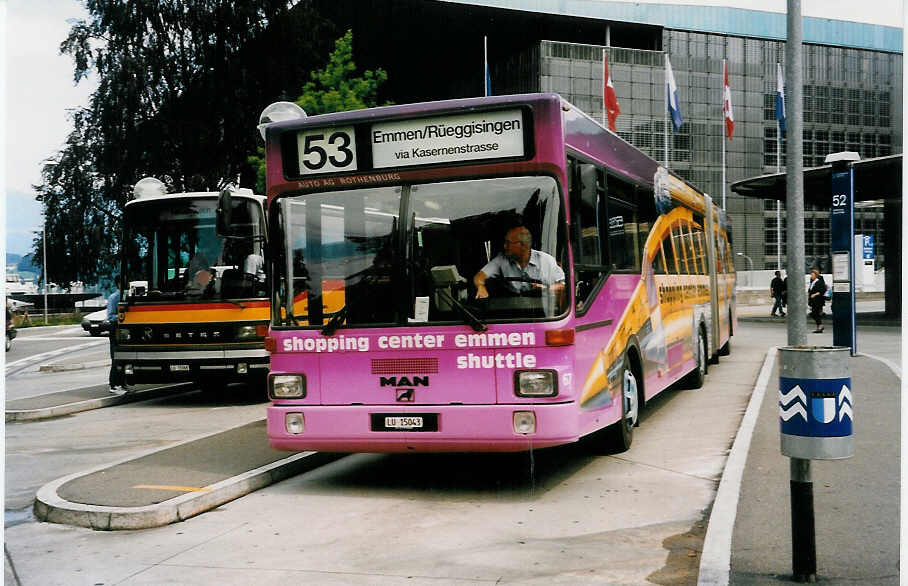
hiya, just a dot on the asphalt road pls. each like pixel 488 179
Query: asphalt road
pixel 558 516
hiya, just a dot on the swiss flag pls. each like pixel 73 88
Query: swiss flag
pixel 609 97
pixel 726 105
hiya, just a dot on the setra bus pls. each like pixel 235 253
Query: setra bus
pixel 487 274
pixel 194 304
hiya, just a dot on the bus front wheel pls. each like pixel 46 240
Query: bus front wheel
pixel 618 436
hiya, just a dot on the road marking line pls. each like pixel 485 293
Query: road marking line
pixel 26 362
pixel 174 488
pixel 715 559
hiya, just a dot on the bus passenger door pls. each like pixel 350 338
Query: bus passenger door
pixel 593 324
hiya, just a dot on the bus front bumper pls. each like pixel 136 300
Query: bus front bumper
pixel 447 428
pixel 177 366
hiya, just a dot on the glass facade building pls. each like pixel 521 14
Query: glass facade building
pixel 852 101
pixel 852 75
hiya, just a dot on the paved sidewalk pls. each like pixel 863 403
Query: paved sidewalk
pixel 856 501
pixel 867 313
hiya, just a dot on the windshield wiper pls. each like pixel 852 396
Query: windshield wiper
pixel 335 321
pixel 474 322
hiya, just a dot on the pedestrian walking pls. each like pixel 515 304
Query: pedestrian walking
pixel 777 291
pixel 816 298
pixel 115 379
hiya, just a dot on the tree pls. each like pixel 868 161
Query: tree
pixel 180 87
pixel 332 89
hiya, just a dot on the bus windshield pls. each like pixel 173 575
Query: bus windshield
pixel 409 253
pixel 173 250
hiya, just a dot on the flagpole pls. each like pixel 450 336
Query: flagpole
pixel 604 81
pixel 722 130
pixel 778 203
pixel 485 68
pixel 665 111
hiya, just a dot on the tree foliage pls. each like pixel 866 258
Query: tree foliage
pixel 334 88
pixel 180 86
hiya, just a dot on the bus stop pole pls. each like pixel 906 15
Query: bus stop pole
pixel 803 546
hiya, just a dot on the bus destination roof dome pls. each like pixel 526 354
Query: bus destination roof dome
pixel 278 112
pixel 149 187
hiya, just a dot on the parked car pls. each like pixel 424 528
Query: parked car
pixel 10 329
pixel 96 323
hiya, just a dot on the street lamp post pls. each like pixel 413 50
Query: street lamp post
pixel 750 274
pixel 44 266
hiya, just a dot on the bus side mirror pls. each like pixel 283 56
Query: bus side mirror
pixel 225 212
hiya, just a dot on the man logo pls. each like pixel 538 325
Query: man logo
pixel 404 395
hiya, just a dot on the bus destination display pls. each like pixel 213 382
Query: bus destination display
pixel 448 139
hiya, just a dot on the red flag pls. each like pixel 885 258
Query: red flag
pixel 609 97
pixel 726 105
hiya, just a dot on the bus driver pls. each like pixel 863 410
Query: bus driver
pixel 522 268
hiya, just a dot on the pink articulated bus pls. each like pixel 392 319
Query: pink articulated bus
pixel 488 274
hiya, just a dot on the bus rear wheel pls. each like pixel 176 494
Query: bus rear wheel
pixel 697 376
pixel 725 350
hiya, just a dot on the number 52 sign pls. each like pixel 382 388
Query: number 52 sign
pixel 327 150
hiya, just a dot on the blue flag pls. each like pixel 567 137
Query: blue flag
pixel 674 106
pixel 780 98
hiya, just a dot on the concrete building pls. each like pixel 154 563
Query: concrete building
pixel 433 49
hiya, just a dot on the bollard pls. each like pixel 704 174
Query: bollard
pixel 815 417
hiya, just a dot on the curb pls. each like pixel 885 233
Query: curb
pixel 88 404
pixel 74 366
pixel 715 557
pixel 52 508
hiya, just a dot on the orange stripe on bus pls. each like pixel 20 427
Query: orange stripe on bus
pixel 197 315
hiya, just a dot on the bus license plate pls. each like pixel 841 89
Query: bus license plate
pixel 409 422
pixel 403 422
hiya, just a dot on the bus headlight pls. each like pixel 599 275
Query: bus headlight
pixel 246 333
pixel 535 383
pixel 287 386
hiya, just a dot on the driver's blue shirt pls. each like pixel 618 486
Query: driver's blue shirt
pixel 541 267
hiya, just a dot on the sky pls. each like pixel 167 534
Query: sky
pixel 39 89
pixel 39 93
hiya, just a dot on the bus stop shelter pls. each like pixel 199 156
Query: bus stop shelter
pixel 875 180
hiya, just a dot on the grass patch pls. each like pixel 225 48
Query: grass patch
pixel 26 320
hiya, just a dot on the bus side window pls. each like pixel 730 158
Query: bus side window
pixel 681 250
pixel 586 204
pixel 659 261
pixel 695 268
pixel 623 239
pixel 646 216
pixel 670 256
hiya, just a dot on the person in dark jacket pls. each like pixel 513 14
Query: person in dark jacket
pixel 777 290
pixel 816 298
